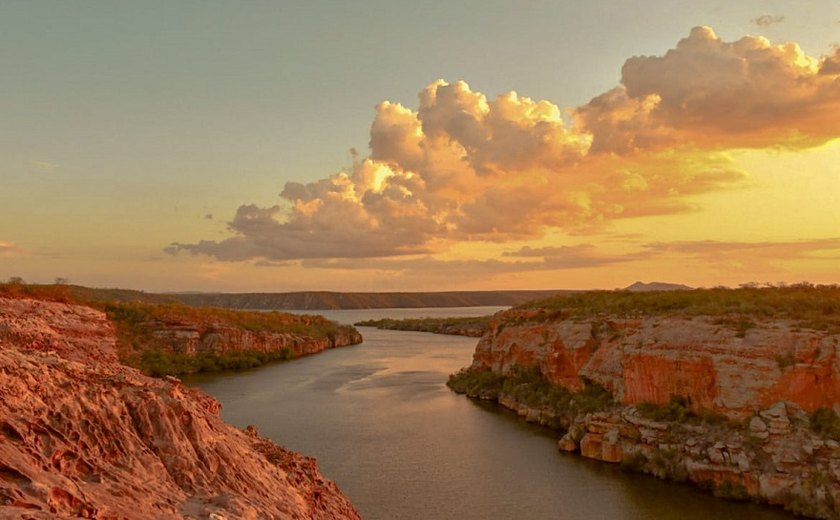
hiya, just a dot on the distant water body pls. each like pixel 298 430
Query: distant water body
pixel 387 430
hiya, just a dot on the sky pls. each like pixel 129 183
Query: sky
pixel 405 146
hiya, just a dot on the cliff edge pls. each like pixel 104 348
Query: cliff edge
pixel 84 436
pixel 737 391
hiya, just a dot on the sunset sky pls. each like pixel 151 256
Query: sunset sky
pixel 385 146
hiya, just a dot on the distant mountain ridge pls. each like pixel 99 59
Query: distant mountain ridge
pixel 326 300
pixel 657 286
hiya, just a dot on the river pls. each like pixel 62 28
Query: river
pixel 401 445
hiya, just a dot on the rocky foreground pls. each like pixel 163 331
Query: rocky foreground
pixel 82 435
pixel 746 408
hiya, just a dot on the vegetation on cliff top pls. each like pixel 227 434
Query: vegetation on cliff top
pixel 468 326
pixel 136 324
pixel 811 306
pixel 137 315
pixel 159 363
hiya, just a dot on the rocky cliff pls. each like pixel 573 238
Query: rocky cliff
pixel 171 339
pixel 714 366
pixel 84 436
pixel 192 337
pixel 744 407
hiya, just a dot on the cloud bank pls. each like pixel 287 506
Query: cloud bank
pixel 463 167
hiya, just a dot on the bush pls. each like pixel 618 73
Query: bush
pixel 159 363
pixel 677 410
pixel 484 384
pixel 636 463
pixel 526 385
pixel 732 490
pixel 826 423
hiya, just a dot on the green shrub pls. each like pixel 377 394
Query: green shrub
pixel 473 382
pixel 826 423
pixel 636 463
pixel 730 489
pixel 526 385
pixel 677 410
pixel 668 464
pixel 158 363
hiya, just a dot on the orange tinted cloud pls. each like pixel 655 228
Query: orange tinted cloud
pixel 749 257
pixel 463 167
pixel 714 94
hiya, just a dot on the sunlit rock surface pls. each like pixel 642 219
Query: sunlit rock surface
pixel 752 390
pixel 84 436
pixel 715 366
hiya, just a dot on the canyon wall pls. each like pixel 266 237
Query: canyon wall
pixel 84 436
pixel 726 405
pixel 717 366
pixel 194 338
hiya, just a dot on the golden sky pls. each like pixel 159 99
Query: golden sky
pixel 711 160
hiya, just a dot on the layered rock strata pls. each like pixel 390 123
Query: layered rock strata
pixel 84 436
pixel 190 338
pixel 756 387
pixel 714 366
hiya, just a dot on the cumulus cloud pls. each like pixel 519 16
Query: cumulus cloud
pixel 768 19
pixel 714 94
pixel 463 167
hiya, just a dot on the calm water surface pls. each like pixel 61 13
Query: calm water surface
pixel 402 446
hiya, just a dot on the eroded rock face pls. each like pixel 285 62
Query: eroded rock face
pixel 197 339
pixel 765 380
pixel 82 435
pixel 715 367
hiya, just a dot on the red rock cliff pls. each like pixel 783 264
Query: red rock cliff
pixel 767 376
pixel 82 435
pixel 650 359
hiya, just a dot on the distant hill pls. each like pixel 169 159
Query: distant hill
pixel 657 286
pixel 324 300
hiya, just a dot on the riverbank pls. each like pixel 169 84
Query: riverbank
pixel 162 337
pixel 682 387
pixel 473 327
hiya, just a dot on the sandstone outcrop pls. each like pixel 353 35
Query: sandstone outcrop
pixel 714 366
pixel 751 391
pixel 84 436
pixel 191 338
